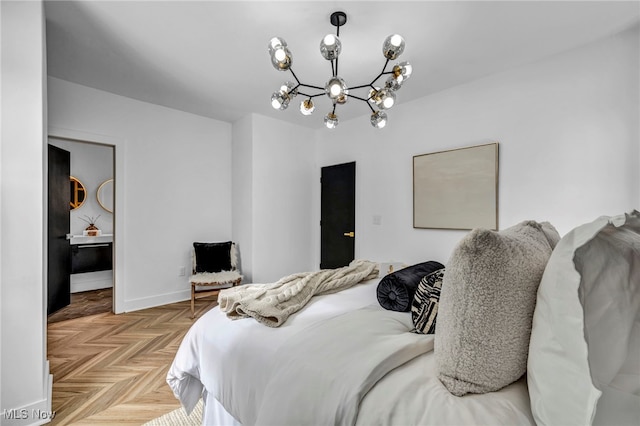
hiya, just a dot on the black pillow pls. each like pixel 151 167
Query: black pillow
pixel 424 309
pixel 395 291
pixel 213 257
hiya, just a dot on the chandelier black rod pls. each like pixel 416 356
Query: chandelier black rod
pixel 380 75
pixel 312 87
pixel 303 84
pixel 294 75
pixel 383 68
pixel 338 19
pixel 369 105
pixel 359 98
pixel 363 100
pixel 368 84
pixel 360 87
pixel 311 96
pixel 383 72
pixel 372 81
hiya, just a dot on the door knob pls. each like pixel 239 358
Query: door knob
pixel 350 234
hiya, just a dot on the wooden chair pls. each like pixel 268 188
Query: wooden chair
pixel 215 267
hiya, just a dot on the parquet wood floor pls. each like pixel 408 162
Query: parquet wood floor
pixel 111 369
pixel 83 304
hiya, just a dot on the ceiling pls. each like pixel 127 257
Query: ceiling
pixel 210 57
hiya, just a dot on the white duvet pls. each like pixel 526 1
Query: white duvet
pixel 235 362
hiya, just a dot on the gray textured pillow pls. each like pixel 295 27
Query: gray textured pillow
pixel 486 306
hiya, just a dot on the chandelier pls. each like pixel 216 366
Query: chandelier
pixel 378 99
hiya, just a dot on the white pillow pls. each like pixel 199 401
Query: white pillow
pixel 586 328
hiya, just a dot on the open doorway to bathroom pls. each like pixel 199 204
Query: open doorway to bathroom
pixel 91 230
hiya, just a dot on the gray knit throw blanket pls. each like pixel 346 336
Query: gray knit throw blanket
pixel 271 304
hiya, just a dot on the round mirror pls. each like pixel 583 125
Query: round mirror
pixel 78 193
pixel 105 195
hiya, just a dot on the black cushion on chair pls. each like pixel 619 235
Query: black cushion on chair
pixel 213 257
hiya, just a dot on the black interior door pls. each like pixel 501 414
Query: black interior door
pixel 337 215
pixel 58 248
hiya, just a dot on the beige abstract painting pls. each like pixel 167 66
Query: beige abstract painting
pixel 456 189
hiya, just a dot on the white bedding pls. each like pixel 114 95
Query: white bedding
pixel 233 361
pixel 360 347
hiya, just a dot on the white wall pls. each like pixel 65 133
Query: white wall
pixel 24 372
pixel 176 182
pixel 568 133
pixel 283 165
pixel 91 164
pixel 242 189
pixel 273 169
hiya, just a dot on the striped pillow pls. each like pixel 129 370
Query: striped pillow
pixel 424 308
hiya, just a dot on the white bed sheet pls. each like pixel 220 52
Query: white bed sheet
pixel 214 413
pixel 409 395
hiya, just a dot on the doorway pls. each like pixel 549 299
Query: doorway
pixel 90 237
pixel 337 215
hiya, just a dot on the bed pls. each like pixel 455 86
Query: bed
pixel 344 359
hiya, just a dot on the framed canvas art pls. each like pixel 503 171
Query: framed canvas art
pixel 456 189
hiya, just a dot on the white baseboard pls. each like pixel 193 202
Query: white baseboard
pixel 36 413
pixel 91 281
pixel 159 300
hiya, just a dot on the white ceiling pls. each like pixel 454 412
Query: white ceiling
pixel 210 57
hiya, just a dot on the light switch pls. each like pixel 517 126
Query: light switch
pixel 377 219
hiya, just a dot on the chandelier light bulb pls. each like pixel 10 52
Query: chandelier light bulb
pixel 385 98
pixel 288 88
pixel 336 88
pixel 281 58
pixel 389 100
pixel 401 73
pixel 307 107
pixel 404 69
pixel 275 43
pixel 393 46
pixel 329 40
pixel 280 100
pixel 394 83
pixel 373 95
pixel 379 119
pixel 330 47
pixel 331 120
